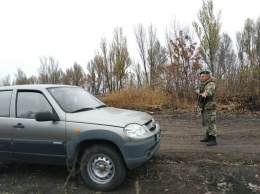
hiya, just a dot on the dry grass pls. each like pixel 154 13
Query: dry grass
pixel 136 99
pixel 150 100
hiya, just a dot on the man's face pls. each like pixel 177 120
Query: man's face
pixel 204 77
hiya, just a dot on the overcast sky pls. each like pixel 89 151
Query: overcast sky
pixel 70 31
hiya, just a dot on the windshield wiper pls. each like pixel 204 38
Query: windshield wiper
pixel 82 109
pixel 101 106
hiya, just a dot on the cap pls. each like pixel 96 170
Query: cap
pixel 205 71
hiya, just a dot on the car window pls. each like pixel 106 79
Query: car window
pixel 71 99
pixel 5 101
pixel 29 103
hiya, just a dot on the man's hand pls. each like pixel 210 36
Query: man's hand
pixel 203 95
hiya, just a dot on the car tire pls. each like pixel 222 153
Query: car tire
pixel 102 167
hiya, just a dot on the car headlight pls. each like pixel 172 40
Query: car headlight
pixel 134 130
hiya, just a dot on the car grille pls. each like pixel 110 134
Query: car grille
pixel 151 125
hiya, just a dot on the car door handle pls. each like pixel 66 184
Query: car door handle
pixel 18 126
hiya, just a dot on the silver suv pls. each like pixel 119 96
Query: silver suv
pixel 65 125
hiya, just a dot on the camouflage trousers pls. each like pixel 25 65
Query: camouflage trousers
pixel 209 122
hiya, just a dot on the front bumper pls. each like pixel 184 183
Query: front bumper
pixel 136 153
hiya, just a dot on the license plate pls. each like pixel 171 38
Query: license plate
pixel 157 137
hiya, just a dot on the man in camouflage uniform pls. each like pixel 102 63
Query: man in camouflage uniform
pixel 208 106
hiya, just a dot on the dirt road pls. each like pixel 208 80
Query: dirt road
pixel 182 164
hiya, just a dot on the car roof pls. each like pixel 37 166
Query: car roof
pixel 34 86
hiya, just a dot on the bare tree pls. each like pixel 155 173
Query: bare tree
pixel 75 76
pixel 156 56
pixel 138 72
pixel 248 46
pixel 91 77
pixel 185 62
pixel 55 73
pixel 95 78
pixel 208 31
pixel 119 58
pixel 33 80
pixel 141 40
pixel 257 42
pixel 104 59
pixel 226 58
pixel 101 70
pixel 43 71
pixel 79 75
pixel 151 52
pixel 68 77
pixel 152 41
pixel 108 69
pixel 49 71
pixel 20 78
pixel 6 81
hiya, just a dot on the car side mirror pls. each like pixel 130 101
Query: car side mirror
pixel 46 116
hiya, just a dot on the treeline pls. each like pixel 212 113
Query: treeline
pixel 171 68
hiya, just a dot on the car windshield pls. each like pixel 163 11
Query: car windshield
pixel 74 99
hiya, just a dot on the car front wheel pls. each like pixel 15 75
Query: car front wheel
pixel 102 167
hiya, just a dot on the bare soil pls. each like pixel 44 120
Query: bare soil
pixel 182 165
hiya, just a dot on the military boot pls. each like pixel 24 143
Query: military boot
pixel 206 138
pixel 212 141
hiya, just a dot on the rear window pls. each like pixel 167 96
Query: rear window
pixel 5 101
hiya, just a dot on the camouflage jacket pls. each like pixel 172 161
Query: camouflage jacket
pixel 209 87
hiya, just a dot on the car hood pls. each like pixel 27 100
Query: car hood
pixel 109 116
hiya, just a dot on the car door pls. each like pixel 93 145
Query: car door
pixel 41 142
pixel 6 130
